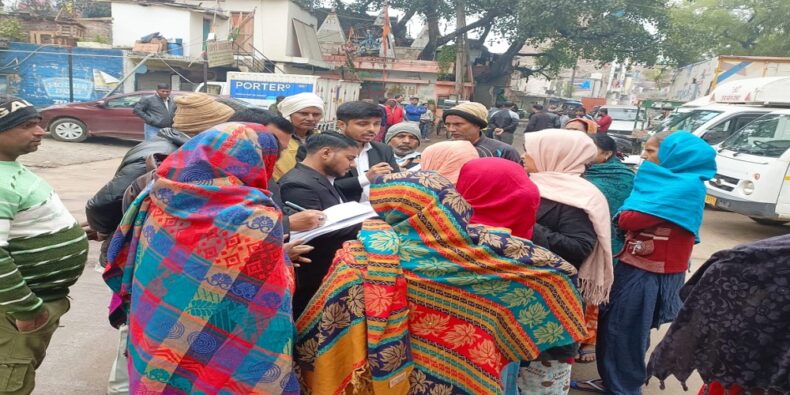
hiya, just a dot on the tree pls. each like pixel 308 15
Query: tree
pixel 564 30
pixel 704 28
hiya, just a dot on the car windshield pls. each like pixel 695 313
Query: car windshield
pixel 622 114
pixel 690 121
pixel 767 136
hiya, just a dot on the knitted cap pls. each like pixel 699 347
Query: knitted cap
pixel 403 127
pixel 475 113
pixel 298 102
pixel 15 111
pixel 197 112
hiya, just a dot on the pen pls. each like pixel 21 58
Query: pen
pixel 295 206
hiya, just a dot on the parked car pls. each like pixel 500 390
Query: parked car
pixel 111 117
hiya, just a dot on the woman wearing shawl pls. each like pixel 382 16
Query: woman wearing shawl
pixel 509 200
pixel 583 125
pixel 615 180
pixel 732 328
pixel 423 303
pixel 447 158
pixel 662 218
pixel 573 221
pixel 199 266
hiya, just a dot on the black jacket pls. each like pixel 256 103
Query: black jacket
pixel 542 120
pixel 308 188
pixel 568 232
pixel 502 119
pixel 153 111
pixel 565 230
pixel 349 184
pixel 104 209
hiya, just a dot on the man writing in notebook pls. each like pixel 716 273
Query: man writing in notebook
pixel 311 185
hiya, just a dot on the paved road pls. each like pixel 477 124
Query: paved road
pixel 82 351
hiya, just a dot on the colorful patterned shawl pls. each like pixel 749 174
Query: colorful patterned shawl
pixel 198 262
pixel 421 305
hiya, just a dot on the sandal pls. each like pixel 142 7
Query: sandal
pixel 582 353
pixel 595 386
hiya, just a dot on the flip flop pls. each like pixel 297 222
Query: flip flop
pixel 583 353
pixel 592 384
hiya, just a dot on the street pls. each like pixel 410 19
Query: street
pixel 81 354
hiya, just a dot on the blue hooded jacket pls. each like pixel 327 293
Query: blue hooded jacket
pixel 674 190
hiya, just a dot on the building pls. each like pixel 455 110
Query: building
pixel 186 27
pixel 48 30
pixel 351 43
pixel 190 24
pixel 278 32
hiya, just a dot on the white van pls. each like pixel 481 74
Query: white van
pixel 715 122
pixel 753 176
pixel 734 104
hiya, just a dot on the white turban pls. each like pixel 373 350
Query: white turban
pixel 299 102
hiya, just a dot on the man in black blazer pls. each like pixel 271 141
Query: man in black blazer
pixel 310 185
pixel 361 121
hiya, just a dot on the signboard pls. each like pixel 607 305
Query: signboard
pixel 219 53
pixel 266 91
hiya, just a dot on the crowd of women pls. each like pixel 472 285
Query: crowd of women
pixel 479 275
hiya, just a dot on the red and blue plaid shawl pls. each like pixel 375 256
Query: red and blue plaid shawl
pixel 199 265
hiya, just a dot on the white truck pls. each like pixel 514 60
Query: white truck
pixel 702 78
pixel 753 171
pixel 732 105
pixel 262 89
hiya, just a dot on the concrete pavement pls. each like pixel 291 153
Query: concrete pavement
pixel 81 353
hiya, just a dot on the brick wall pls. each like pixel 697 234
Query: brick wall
pixel 97 29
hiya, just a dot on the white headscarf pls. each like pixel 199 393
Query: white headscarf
pixel 298 102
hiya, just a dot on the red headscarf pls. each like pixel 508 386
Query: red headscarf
pixel 501 194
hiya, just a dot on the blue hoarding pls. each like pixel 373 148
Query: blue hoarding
pixel 266 90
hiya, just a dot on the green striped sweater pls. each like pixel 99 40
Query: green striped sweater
pixel 42 248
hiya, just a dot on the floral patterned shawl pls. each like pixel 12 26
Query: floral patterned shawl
pixel 423 303
pixel 733 327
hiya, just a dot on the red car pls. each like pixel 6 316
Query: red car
pixel 112 117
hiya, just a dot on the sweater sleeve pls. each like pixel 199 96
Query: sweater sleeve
pixel 16 298
pixel 633 221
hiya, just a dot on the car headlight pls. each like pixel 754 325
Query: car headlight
pixel 748 187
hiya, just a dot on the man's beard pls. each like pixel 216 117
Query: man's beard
pixel 401 152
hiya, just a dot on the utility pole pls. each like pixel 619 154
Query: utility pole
pixel 460 50
pixel 573 79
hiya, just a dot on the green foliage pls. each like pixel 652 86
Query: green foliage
pixel 563 30
pixel 446 58
pixel 704 28
pixel 11 29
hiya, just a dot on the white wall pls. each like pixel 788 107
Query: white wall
pixel 132 21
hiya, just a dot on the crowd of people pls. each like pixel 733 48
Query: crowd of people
pixel 482 271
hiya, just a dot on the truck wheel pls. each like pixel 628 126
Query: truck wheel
pixel 769 222
pixel 69 130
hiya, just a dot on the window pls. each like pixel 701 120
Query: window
pixel 124 102
pixel 767 136
pixel 725 129
pixel 690 121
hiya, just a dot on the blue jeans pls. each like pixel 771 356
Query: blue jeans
pixel 425 129
pixel 150 131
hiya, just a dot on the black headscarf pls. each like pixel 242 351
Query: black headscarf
pixel 733 327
